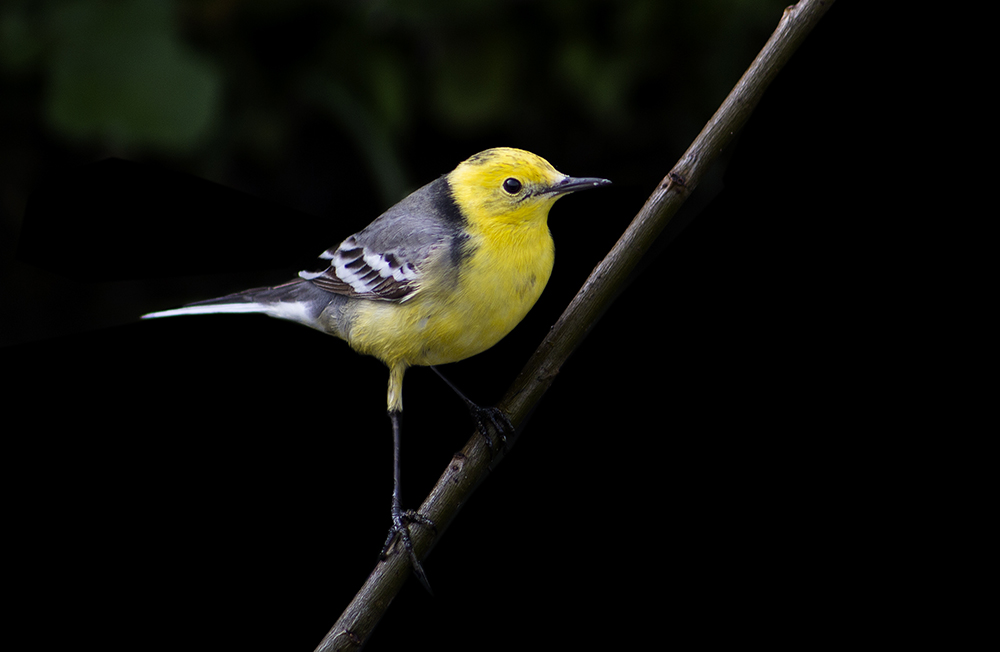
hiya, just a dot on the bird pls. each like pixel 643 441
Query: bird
pixel 440 276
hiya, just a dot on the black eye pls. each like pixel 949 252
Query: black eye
pixel 512 185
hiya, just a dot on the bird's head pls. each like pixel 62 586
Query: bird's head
pixel 511 186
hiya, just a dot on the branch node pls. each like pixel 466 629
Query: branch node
pixel 674 179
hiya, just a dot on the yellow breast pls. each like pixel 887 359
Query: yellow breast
pixel 498 288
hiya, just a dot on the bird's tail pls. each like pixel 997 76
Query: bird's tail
pixel 297 300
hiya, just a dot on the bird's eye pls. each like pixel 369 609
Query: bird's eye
pixel 512 185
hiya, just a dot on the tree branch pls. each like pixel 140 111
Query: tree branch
pixel 470 466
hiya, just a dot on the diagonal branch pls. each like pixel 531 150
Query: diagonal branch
pixel 470 466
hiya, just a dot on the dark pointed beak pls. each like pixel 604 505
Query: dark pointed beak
pixel 572 184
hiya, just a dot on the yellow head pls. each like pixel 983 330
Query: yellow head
pixel 511 186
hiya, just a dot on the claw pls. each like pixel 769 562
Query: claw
pixel 400 525
pixel 495 417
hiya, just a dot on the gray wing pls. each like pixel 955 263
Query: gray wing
pixel 385 261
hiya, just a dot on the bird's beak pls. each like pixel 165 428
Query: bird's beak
pixel 572 184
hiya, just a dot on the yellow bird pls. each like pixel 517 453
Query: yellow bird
pixel 443 275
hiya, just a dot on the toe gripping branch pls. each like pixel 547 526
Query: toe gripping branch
pixel 401 521
pixel 485 417
pixel 496 418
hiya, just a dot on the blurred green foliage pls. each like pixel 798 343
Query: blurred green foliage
pixel 119 73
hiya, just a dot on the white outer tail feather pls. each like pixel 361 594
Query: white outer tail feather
pixel 206 310
pixel 291 311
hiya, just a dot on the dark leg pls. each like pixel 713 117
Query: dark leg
pixel 401 519
pixel 484 415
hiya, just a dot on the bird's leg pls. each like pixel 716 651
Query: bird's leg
pixel 401 519
pixel 484 415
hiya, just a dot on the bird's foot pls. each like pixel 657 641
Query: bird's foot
pixel 491 416
pixel 484 416
pixel 401 526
